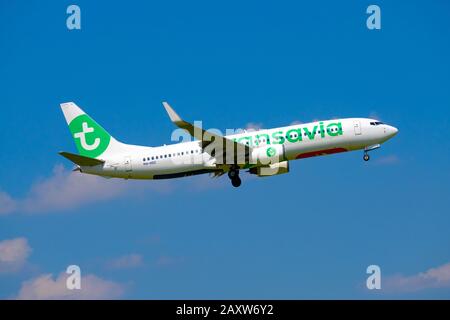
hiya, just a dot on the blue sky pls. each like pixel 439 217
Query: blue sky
pixel 308 234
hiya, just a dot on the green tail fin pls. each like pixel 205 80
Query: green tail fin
pixel 90 138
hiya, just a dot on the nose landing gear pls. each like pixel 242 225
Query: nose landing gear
pixel 366 156
pixel 233 174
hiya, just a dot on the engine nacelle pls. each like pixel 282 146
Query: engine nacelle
pixel 268 154
pixel 271 170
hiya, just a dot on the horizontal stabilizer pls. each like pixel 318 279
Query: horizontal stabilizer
pixel 81 160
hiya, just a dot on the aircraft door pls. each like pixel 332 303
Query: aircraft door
pixel 357 127
pixel 127 164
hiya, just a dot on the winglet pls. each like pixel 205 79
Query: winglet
pixel 206 137
pixel 174 117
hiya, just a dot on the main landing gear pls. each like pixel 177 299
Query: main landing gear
pixel 233 174
pixel 366 156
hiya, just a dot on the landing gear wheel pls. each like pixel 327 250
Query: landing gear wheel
pixel 366 157
pixel 236 181
pixel 232 174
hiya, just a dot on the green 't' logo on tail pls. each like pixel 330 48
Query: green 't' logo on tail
pixel 90 138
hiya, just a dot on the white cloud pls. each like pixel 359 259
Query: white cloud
pixel 206 182
pixel 44 287
pixel 65 190
pixel 438 277
pixel 13 254
pixel 126 262
pixel 7 204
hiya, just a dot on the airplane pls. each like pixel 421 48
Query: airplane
pixel 265 152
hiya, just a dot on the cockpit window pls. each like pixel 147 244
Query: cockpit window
pixel 376 123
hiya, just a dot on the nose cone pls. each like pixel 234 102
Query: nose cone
pixel 391 131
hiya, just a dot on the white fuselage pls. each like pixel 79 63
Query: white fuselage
pixel 296 142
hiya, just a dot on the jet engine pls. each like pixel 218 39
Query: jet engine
pixel 268 154
pixel 271 169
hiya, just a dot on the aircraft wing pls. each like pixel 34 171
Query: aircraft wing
pixel 236 151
